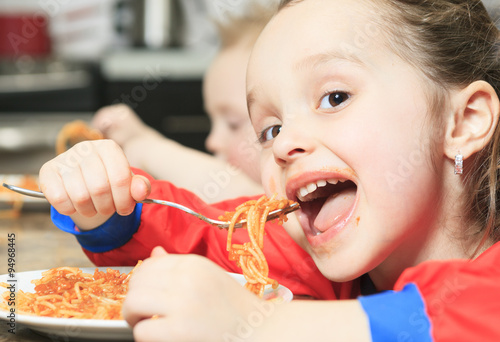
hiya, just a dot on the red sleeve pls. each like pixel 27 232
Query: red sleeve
pixel 462 297
pixel 181 233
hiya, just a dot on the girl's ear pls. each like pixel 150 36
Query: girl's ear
pixel 476 109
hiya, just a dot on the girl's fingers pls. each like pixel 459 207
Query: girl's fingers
pixel 63 183
pixel 150 287
pixel 155 329
pixel 140 304
pixel 97 183
pixel 158 251
pixel 90 178
pixel 76 188
pixel 172 298
pixel 51 184
pixel 140 188
pixel 119 175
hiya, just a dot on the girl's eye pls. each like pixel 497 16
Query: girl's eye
pixel 269 133
pixel 333 100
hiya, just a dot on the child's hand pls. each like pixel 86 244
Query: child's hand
pixel 119 123
pixel 189 298
pixel 92 181
pixel 141 144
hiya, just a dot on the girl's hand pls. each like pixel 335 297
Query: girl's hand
pixel 189 298
pixel 185 298
pixel 92 181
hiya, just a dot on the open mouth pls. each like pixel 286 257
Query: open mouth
pixel 326 203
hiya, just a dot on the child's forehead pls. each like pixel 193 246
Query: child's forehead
pixel 336 12
pixel 321 29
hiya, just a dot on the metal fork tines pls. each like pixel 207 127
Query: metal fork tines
pixel 221 224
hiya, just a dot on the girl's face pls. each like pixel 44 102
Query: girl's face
pixel 342 124
pixel 231 137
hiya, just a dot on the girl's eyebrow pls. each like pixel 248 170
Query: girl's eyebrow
pixel 250 101
pixel 252 95
pixel 312 62
pixel 319 59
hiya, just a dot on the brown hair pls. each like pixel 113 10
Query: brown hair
pixel 454 43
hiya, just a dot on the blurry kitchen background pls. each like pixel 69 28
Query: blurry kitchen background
pixel 61 60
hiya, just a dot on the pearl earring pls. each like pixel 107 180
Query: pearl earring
pixel 459 164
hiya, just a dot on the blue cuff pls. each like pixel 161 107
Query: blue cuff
pixel 397 316
pixel 113 233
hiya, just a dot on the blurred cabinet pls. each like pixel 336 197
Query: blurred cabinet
pixel 37 97
pixel 164 88
pixel 46 86
pixel 172 107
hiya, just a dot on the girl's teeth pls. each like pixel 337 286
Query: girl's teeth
pixel 303 192
pixel 312 187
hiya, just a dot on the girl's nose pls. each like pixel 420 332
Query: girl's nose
pixel 289 145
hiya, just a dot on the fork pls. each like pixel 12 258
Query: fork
pixel 221 224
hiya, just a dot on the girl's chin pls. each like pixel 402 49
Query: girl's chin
pixel 336 272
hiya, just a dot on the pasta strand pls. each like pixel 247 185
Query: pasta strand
pixel 249 256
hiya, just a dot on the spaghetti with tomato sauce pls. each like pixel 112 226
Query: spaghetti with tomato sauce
pixel 68 292
pixel 249 255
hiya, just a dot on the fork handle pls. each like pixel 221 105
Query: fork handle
pixel 24 191
pixel 221 224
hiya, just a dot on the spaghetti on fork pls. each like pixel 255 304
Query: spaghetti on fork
pixel 249 255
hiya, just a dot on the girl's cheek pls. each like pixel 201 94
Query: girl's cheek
pixel 271 186
pixel 270 180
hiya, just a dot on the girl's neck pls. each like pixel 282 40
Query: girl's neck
pixel 440 243
pixel 440 235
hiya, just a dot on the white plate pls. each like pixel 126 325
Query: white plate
pixel 93 329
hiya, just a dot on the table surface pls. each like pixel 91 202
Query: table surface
pixel 39 245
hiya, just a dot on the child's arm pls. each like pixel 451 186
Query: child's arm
pixel 92 181
pixel 195 300
pixel 152 152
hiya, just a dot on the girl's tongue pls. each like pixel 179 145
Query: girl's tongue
pixel 335 209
